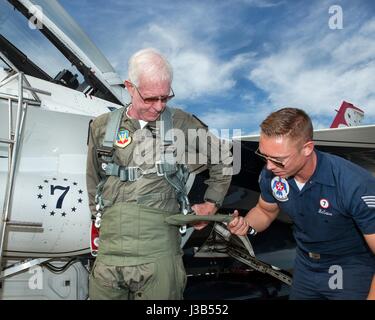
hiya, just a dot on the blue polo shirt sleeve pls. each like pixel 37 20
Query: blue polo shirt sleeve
pixel 265 178
pixel 362 205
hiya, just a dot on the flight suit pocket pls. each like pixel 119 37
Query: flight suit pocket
pixel 104 275
pixel 146 286
pixel 111 191
pixel 110 231
pixel 181 277
pixel 165 201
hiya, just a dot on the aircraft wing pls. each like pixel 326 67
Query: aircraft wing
pixel 356 144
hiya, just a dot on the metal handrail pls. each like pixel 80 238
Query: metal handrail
pixel 30 102
pixel 13 141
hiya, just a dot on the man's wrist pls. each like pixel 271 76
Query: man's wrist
pixel 251 231
pixel 216 203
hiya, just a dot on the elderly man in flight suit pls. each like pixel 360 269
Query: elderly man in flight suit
pixel 139 254
pixel 331 202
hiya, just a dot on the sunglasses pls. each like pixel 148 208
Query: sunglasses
pixel 278 163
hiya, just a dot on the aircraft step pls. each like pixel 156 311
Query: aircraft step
pixel 18 267
pixel 24 224
pixel 7 141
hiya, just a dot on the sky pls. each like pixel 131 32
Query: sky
pixel 236 61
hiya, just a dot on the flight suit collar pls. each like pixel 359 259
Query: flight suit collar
pixel 129 123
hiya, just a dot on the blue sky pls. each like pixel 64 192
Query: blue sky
pixel 236 61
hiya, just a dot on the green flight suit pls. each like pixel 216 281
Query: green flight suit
pixel 139 254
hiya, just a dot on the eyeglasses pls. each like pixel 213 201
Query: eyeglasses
pixel 281 162
pixel 152 100
pixel 278 163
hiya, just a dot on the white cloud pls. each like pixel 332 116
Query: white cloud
pixel 317 70
pixel 262 3
pixel 227 118
pixel 198 73
pixel 300 62
pixel 199 69
pixel 249 98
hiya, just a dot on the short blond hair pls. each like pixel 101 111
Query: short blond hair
pixel 290 122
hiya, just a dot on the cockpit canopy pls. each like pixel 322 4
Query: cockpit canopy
pixel 73 60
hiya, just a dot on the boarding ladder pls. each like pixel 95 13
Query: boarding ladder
pixel 14 141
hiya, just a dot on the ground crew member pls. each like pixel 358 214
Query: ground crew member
pixel 139 254
pixel 331 202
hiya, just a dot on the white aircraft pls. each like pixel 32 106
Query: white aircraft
pixel 44 125
pixel 45 229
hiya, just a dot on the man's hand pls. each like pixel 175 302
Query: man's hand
pixel 205 208
pixel 371 295
pixel 238 225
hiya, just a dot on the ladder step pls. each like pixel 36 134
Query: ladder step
pixel 24 224
pixel 22 266
pixel 26 87
pixel 8 141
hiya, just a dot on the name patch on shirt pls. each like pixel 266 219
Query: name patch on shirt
pixel 326 213
pixel 324 204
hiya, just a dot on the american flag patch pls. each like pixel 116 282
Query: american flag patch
pixel 369 201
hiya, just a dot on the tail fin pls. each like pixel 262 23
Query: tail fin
pixel 347 116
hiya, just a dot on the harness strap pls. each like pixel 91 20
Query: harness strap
pixel 106 150
pixel 175 174
pixel 127 173
pixel 167 137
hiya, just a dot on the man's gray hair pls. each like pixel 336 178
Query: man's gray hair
pixel 150 63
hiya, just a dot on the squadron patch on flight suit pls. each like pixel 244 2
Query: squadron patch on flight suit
pixel 123 138
pixel 280 188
